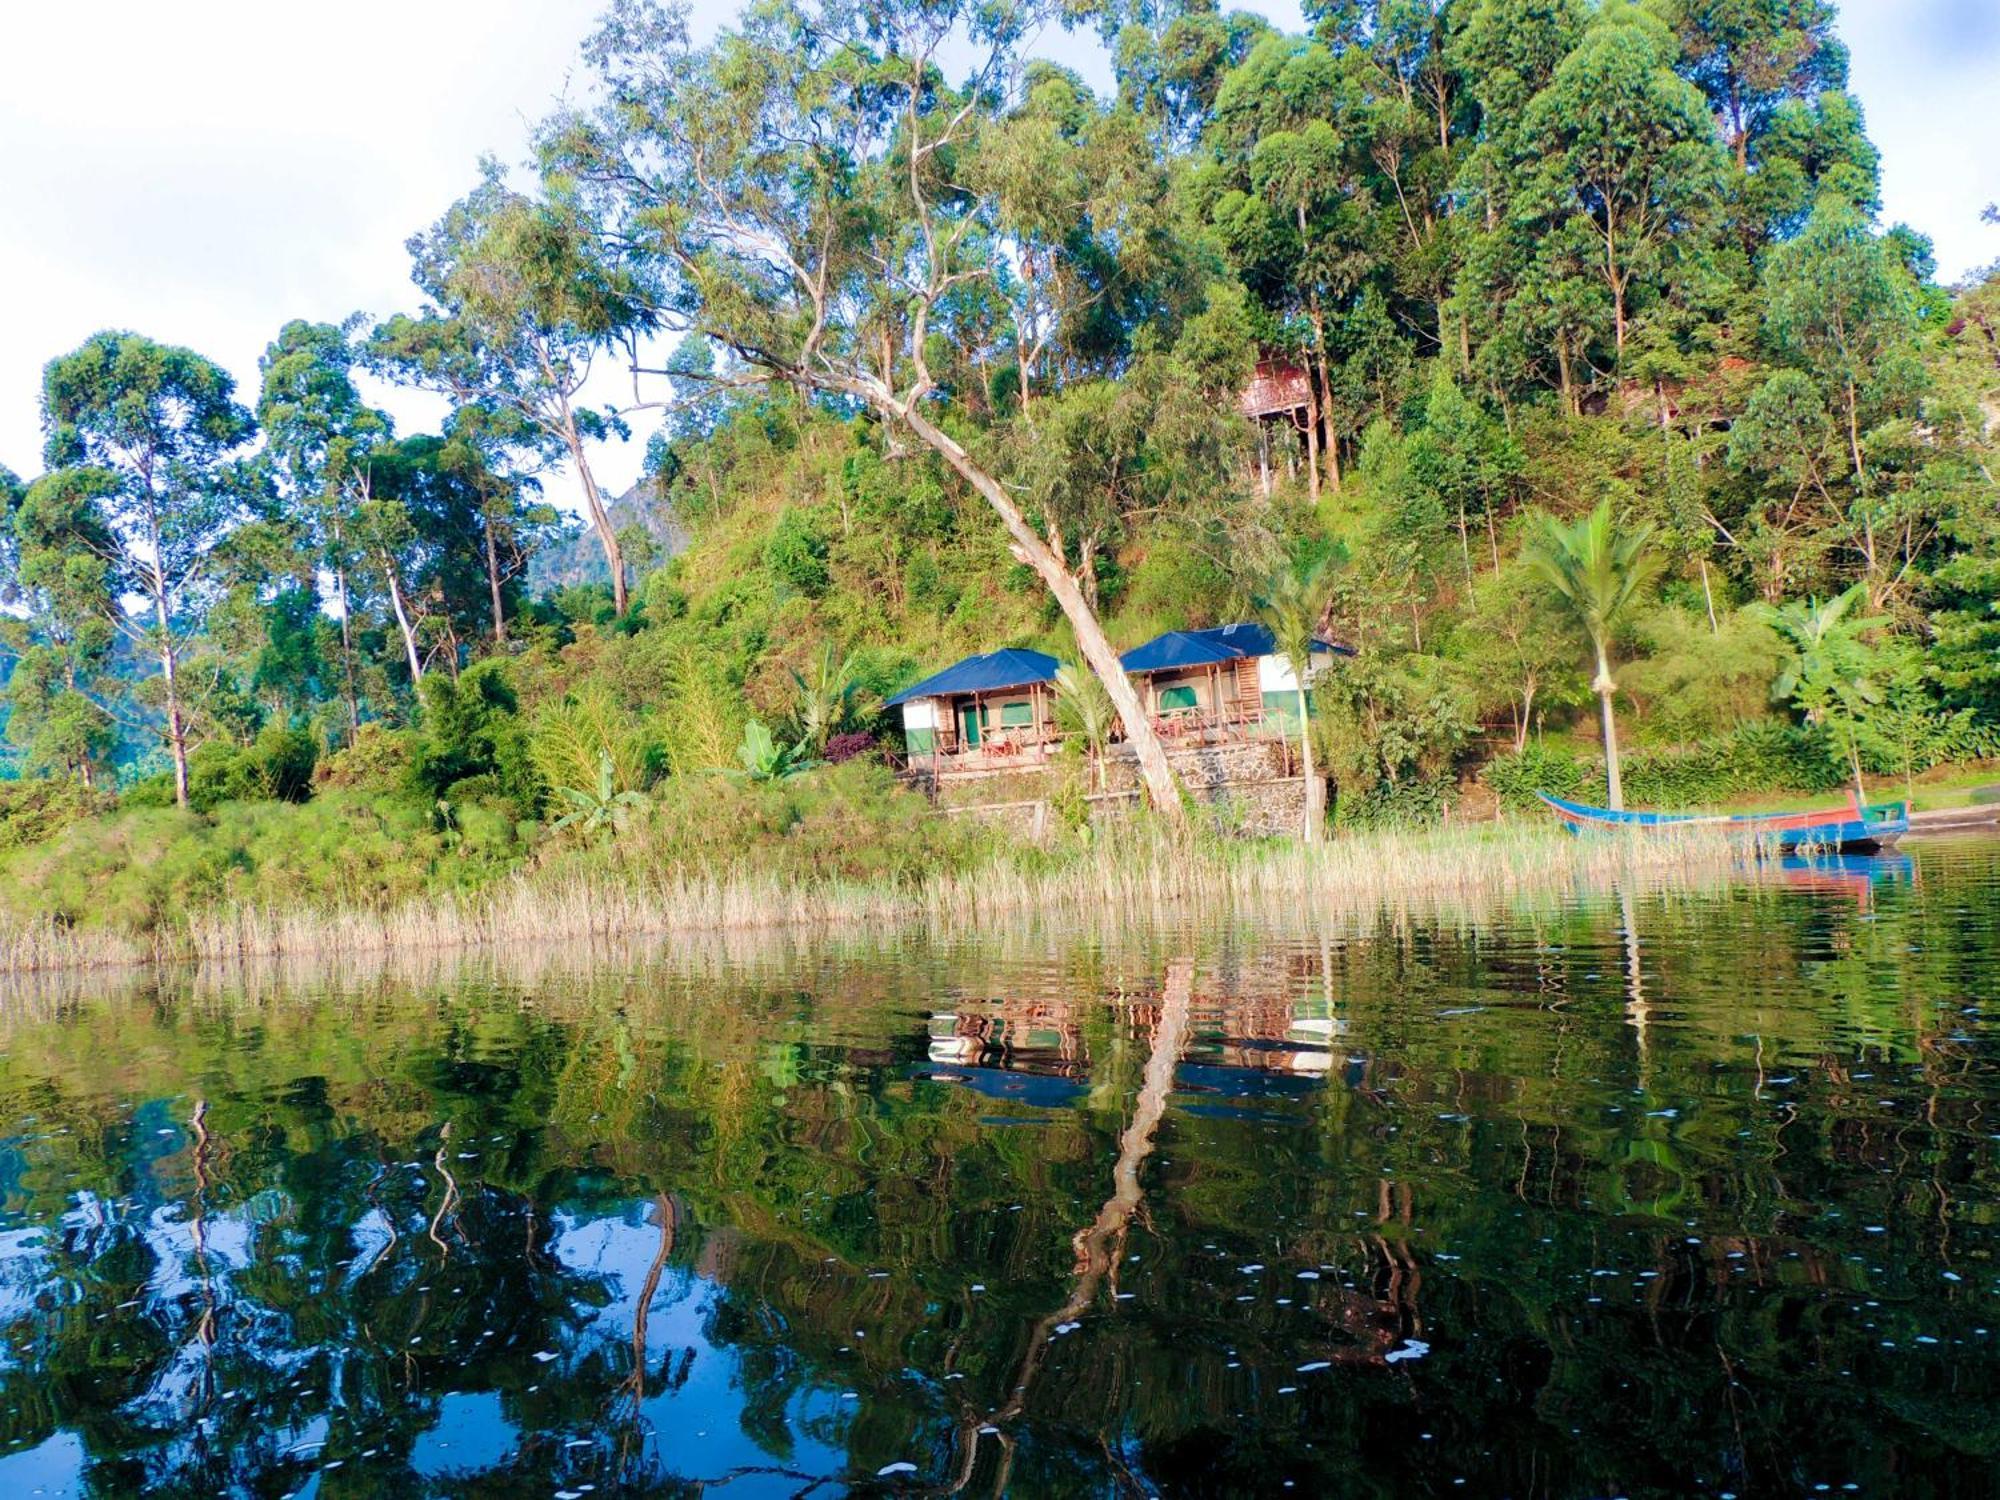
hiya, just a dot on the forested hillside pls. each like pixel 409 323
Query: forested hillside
pixel 936 350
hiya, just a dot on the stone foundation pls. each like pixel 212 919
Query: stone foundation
pixel 1246 788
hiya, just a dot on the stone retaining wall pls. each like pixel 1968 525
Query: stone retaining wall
pixel 1245 788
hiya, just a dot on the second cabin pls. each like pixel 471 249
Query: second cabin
pixel 1221 683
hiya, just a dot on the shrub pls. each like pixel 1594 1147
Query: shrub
pixel 1758 757
pixel 852 821
pixel 134 871
pixel 472 727
pixel 1515 779
pixel 796 553
pixel 41 807
pixel 377 759
pixel 142 871
pixel 1395 804
pixel 850 746
pixel 275 767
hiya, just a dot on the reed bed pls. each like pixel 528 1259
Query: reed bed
pixel 41 944
pixel 1134 873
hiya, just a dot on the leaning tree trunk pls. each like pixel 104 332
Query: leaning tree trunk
pixel 1604 687
pixel 176 721
pixel 1099 1244
pixel 1154 771
pixel 600 518
pixel 493 586
pixel 403 622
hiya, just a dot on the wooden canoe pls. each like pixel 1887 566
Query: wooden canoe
pixel 1852 829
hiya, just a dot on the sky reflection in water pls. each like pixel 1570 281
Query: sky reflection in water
pixel 1660 1193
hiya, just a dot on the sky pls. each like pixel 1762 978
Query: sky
pixel 203 171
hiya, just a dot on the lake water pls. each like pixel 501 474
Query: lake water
pixel 1653 1193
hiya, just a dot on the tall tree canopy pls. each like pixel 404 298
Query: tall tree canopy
pixel 164 422
pixel 812 194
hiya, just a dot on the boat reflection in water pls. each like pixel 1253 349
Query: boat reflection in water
pixel 1856 875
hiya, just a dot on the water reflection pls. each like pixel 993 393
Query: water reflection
pixel 1652 1193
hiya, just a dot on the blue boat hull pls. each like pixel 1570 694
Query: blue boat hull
pixel 1854 829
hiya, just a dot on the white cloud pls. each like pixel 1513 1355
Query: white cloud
pixel 1926 73
pixel 204 171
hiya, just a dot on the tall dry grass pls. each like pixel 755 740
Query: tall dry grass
pixel 1137 872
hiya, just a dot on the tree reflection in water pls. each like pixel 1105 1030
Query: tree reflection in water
pixel 1204 1211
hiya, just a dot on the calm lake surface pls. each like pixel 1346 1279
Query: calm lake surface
pixel 1643 1193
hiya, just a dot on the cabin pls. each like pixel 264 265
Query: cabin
pixel 1279 401
pixel 1226 682
pixel 989 712
pixel 996 712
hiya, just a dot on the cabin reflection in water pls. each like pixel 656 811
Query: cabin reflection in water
pixel 1033 1052
pixel 1023 1051
pixel 1253 1058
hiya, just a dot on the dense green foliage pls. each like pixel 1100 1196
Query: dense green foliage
pixel 952 363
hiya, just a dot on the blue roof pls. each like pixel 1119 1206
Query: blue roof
pixel 1201 648
pixel 990 673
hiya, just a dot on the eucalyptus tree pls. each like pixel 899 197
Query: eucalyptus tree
pixel 484 448
pixel 1841 309
pixel 423 535
pixel 165 423
pixel 522 303
pixel 62 581
pixel 1104 458
pixel 12 492
pixel 1626 149
pixel 1287 204
pixel 1751 56
pixel 1171 75
pixel 1080 198
pixel 1599 568
pixel 321 438
pixel 387 546
pixel 1412 127
pixel 812 195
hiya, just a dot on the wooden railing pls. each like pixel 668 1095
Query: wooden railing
pixel 1177 728
pixel 1206 726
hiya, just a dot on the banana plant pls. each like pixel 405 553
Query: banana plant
pixel 766 758
pixel 602 808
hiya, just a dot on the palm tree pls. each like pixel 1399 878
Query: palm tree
pixel 1291 604
pixel 1828 672
pixel 1085 710
pixel 1599 568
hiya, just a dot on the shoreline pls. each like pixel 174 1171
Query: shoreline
pixel 1123 875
